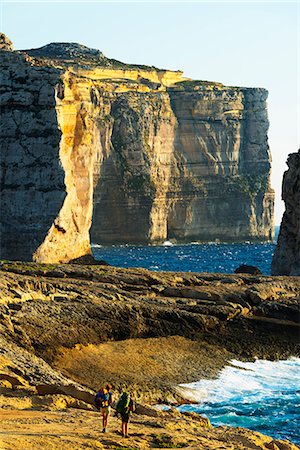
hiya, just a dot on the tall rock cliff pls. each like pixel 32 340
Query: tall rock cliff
pixel 286 259
pixel 127 153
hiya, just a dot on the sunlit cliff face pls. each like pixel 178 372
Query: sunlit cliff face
pixel 132 153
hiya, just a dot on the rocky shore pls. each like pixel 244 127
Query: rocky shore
pixel 69 315
pixel 67 329
pixel 53 426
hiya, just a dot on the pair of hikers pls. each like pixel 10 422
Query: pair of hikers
pixel 124 407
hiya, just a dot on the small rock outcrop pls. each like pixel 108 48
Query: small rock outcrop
pixel 5 43
pixel 126 153
pixel 286 259
pixel 244 268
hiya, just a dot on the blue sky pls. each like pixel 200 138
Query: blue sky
pixel 253 44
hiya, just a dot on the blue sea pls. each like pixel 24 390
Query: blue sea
pixel 194 257
pixel 261 395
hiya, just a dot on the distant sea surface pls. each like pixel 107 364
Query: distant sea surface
pixel 193 257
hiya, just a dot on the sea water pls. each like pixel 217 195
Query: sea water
pixel 193 257
pixel 263 396
pixel 211 257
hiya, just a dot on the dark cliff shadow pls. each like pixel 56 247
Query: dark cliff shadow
pixel 32 178
pixel 119 215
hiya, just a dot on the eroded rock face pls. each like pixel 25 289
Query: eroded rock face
pixel 221 180
pixel 46 307
pixel 142 154
pixel 286 259
pixel 5 43
pixel 32 178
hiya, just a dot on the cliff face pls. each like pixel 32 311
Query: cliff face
pixel 286 259
pixel 142 154
pixel 32 178
pixel 222 182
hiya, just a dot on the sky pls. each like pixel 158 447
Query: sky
pixel 238 43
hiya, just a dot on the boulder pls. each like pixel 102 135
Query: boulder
pixel 88 260
pixel 71 391
pixel 244 268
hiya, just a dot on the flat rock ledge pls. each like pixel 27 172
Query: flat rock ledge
pixel 72 428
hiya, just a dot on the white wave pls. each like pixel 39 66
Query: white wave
pixel 248 380
pixel 193 395
pixel 96 245
pixel 162 407
pixel 168 244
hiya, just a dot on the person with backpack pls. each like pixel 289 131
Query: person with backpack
pixel 125 407
pixel 103 401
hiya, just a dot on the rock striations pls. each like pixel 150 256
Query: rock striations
pixel 63 313
pixel 129 153
pixel 286 260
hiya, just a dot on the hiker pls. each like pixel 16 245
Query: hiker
pixel 125 406
pixel 103 401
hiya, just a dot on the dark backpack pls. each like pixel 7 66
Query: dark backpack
pixel 122 406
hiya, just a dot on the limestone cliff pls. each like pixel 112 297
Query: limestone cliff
pixel 141 154
pixel 286 259
pixel 32 178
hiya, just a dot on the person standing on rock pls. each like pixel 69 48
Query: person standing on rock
pixel 103 401
pixel 125 407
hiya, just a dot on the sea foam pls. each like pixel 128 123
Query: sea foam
pixel 260 395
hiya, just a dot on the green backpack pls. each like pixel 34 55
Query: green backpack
pixel 123 403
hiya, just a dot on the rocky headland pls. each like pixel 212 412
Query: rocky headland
pixel 66 329
pixel 286 259
pixel 125 153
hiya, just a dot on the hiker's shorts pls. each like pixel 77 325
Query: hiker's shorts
pixel 105 410
pixel 125 417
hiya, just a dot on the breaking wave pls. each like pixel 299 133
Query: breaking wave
pixel 261 395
